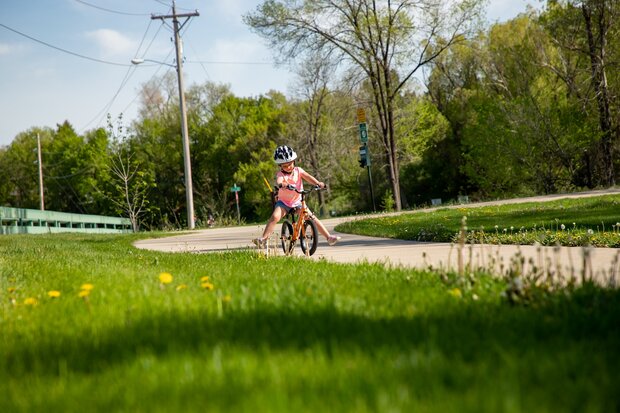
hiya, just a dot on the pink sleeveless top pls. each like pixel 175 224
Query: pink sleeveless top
pixel 288 197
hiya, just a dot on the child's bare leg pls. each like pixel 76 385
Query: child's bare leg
pixel 277 214
pixel 321 228
pixel 331 239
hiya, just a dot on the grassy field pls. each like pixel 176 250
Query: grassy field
pixel 570 222
pixel 88 323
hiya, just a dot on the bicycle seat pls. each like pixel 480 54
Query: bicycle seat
pixel 294 211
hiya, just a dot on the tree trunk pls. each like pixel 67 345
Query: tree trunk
pixel 394 165
pixel 383 97
pixel 599 83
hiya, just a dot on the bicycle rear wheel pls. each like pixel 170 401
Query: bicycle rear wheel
pixel 287 238
pixel 309 238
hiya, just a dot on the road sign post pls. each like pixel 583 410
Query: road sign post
pixel 361 115
pixel 364 159
pixel 236 190
pixel 363 133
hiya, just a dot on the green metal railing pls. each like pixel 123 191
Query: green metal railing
pixel 34 221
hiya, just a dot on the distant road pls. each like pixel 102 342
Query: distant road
pixel 602 263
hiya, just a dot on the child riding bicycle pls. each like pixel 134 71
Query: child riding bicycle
pixel 289 178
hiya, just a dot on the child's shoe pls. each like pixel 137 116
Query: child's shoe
pixel 333 239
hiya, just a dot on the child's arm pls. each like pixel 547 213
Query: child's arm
pixel 279 181
pixel 309 178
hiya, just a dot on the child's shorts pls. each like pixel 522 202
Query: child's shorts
pixel 288 208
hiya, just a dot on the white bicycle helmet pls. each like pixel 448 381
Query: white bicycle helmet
pixel 284 154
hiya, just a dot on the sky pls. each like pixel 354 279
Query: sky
pixel 71 59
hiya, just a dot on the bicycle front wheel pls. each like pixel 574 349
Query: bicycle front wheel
pixel 309 237
pixel 287 238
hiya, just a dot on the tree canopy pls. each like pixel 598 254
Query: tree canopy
pixel 522 107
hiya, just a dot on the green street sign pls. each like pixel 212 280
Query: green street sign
pixel 235 188
pixel 363 133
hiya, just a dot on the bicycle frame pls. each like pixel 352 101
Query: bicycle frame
pixel 303 228
pixel 302 214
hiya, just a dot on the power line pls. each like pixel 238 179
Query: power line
pixel 161 80
pixel 162 3
pixel 201 65
pixel 213 62
pixel 110 10
pixel 63 50
pixel 102 112
pixel 128 74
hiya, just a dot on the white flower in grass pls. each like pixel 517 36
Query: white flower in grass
pixel 562 227
pixel 590 232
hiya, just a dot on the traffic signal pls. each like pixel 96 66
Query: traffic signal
pixel 363 160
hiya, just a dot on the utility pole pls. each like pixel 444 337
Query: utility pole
pixel 189 196
pixel 42 201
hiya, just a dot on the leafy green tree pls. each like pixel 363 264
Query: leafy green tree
pixel 586 61
pixel 96 151
pixel 237 148
pixel 228 135
pixel 543 131
pixel 127 184
pixel 322 129
pixel 157 146
pixel 456 76
pixel 19 186
pixel 71 163
pixel 513 122
pixel 377 38
pixel 424 131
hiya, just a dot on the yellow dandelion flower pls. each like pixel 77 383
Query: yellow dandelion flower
pixel 455 292
pixel 53 294
pixel 204 279
pixel 84 293
pixel 87 287
pixel 12 290
pixel 165 278
pixel 227 298
pixel 31 301
pixel 207 286
pixel 181 287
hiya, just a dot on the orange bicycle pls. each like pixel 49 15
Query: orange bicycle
pixel 299 225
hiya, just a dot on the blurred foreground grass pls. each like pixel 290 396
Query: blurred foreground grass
pixel 285 335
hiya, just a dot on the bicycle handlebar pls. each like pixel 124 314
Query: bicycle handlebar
pixel 306 191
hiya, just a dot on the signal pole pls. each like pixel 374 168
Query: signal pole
pixel 189 196
pixel 364 151
pixel 42 201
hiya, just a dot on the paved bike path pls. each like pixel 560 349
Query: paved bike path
pixel 601 262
